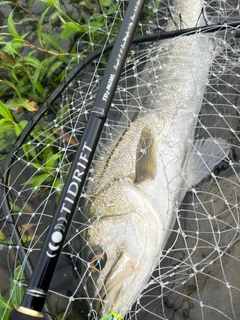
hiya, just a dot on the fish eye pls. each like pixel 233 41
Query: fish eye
pixel 97 261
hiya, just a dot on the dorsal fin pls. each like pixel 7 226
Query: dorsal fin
pixel 146 157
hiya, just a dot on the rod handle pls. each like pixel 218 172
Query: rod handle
pixel 22 313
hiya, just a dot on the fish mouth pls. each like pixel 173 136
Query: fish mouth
pixel 111 289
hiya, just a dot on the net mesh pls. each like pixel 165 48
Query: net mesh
pixel 197 273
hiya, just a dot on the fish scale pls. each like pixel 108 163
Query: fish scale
pixel 148 174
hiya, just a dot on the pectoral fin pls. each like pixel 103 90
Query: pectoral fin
pixel 146 157
pixel 205 155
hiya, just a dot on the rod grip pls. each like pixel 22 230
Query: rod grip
pixel 25 314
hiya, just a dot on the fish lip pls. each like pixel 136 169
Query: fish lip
pixel 103 302
pixel 103 293
pixel 112 286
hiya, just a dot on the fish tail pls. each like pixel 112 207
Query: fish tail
pixel 187 14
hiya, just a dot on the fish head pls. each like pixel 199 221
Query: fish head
pixel 124 239
pixel 123 245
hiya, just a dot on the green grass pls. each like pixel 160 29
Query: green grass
pixel 30 71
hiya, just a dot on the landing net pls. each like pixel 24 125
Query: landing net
pixel 197 276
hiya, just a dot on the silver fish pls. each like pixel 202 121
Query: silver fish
pixel 151 168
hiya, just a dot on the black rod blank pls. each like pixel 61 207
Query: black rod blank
pixel 36 293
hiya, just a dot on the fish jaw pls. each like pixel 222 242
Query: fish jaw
pixel 129 232
pixel 133 218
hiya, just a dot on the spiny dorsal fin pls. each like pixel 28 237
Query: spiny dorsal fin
pixel 146 157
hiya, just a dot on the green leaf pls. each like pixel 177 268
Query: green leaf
pixel 54 15
pixel 26 238
pixel 16 288
pixel 7 2
pixel 40 88
pixel 105 3
pixel 15 207
pixel 5 314
pixel 67 33
pixel 11 26
pixel 18 43
pixel 13 74
pixel 29 150
pixel 62 20
pixel 38 180
pixel 2 121
pixel 18 274
pixel 4 304
pixel 113 8
pixel 58 185
pixel 5 113
pixel 24 35
pixel 19 66
pixel 23 124
pixel 32 61
pixel 8 48
pixel 40 72
pixel 50 162
pixel 7 126
pixel 56 4
pixel 39 167
pixel 12 85
pixel 26 88
pixel 70 28
pixel 18 129
pixel 29 105
pixel 51 41
pixel 6 57
pixel 30 3
pixel 60 316
pixel 39 26
pixel 48 2
pixel 35 133
pixel 2 236
pixel 26 19
pixel 54 67
pixel 93 25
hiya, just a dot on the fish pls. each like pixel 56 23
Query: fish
pixel 134 205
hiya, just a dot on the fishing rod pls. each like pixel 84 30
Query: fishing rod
pixel 36 293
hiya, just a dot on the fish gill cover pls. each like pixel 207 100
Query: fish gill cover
pixel 156 234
